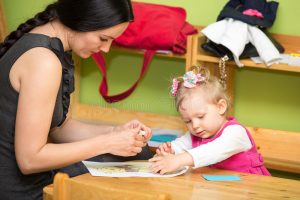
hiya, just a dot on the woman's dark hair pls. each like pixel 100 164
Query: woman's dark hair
pixel 78 15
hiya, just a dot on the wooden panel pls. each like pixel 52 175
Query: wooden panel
pixel 290 43
pixel 74 189
pixel 60 188
pixel 95 113
pixel 2 22
pixel 139 51
pixel 280 149
pixel 48 192
pixel 188 59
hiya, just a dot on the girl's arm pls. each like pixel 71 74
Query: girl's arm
pixel 182 144
pixel 233 140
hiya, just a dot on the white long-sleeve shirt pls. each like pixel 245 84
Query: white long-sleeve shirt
pixel 233 140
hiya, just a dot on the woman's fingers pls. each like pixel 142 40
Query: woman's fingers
pixel 136 150
pixel 147 133
pixel 138 143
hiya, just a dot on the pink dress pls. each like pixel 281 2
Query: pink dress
pixel 249 161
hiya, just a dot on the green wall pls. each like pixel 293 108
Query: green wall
pixel 263 98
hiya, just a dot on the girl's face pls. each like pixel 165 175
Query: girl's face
pixel 84 44
pixel 202 117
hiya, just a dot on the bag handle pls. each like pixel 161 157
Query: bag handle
pixel 103 88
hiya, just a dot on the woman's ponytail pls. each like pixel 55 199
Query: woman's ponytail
pixel 39 19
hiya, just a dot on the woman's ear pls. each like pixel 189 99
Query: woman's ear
pixel 222 106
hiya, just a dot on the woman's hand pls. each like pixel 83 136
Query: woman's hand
pixel 125 141
pixel 137 124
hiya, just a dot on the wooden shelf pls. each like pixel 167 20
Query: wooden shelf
pixel 290 43
pixel 140 51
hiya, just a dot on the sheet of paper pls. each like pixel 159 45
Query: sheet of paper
pixel 126 169
pixel 221 177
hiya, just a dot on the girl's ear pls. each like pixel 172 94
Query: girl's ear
pixel 222 106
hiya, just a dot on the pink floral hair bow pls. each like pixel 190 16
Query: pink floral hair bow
pixel 174 88
pixel 190 80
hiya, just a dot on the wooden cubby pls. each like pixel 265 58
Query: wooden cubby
pixel 279 148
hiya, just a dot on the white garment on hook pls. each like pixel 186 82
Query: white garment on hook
pixel 235 34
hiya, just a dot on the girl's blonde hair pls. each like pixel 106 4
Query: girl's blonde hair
pixel 210 85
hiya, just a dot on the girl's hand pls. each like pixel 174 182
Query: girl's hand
pixel 170 162
pixel 164 148
pixel 165 163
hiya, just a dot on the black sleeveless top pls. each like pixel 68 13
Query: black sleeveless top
pixel 13 184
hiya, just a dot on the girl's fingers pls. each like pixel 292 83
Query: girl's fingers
pixel 165 148
pixel 164 153
pixel 158 151
pixel 162 171
pixel 161 148
pixel 155 159
pixel 155 168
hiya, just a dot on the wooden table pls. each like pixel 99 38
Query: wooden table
pixel 193 186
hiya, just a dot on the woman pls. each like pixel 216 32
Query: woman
pixel 36 79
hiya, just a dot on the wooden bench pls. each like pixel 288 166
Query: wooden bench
pixel 280 149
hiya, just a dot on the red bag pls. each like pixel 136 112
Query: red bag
pixel 155 27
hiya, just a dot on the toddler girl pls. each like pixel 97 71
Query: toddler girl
pixel 213 138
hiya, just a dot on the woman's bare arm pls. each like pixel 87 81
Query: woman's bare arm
pixel 72 130
pixel 39 81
